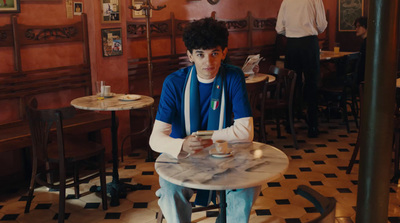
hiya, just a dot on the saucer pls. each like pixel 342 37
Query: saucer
pixel 109 96
pixel 130 97
pixel 213 152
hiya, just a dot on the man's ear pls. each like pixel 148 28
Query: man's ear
pixel 224 53
pixel 190 56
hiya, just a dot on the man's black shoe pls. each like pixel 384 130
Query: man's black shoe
pixel 313 132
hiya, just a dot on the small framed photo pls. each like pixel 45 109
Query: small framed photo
pixel 78 8
pixel 141 13
pixel 112 42
pixel 9 6
pixel 110 11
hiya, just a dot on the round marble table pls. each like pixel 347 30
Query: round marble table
pixel 260 77
pixel 113 104
pixel 252 164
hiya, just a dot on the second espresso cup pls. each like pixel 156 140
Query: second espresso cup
pixel 221 146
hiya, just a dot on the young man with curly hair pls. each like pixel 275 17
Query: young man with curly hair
pixel 203 96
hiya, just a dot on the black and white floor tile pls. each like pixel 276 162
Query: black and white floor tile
pixel 320 163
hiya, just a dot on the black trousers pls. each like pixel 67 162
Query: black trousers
pixel 302 56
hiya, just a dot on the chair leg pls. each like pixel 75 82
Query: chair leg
pixel 278 126
pixel 103 182
pixel 354 108
pixel 263 133
pixel 291 123
pixel 396 171
pixel 61 209
pixel 354 155
pixel 76 179
pixel 160 216
pixel 31 186
pixel 345 118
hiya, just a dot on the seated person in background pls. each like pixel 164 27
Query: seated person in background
pixel 191 100
pixel 361 31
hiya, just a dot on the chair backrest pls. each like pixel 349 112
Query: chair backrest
pixel 282 89
pixel 325 205
pixel 348 71
pixel 254 91
pixel 41 124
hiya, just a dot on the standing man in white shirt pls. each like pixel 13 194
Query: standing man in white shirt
pixel 301 21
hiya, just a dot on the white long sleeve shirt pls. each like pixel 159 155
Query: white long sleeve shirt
pixel 300 18
pixel 241 131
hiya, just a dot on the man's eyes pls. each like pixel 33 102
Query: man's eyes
pixel 202 55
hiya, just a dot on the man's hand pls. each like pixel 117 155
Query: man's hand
pixel 194 144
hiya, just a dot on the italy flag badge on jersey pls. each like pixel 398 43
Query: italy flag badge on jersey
pixel 214 104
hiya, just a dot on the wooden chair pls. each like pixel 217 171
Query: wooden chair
pixel 255 91
pixel 339 88
pixel 396 142
pixel 61 149
pixel 326 206
pixel 278 98
pixel 357 146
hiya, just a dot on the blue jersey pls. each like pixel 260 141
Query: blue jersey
pixel 170 109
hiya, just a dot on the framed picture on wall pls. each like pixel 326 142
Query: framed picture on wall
pixel 9 6
pixel 110 11
pixel 349 11
pixel 78 8
pixel 141 13
pixel 111 42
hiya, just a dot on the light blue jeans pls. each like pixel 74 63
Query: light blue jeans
pixel 176 208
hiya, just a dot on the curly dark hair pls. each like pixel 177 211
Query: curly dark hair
pixel 206 33
pixel 362 21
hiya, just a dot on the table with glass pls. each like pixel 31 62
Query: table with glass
pixel 248 165
pixel 118 102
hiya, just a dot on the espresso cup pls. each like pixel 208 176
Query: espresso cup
pixel 107 91
pixel 221 146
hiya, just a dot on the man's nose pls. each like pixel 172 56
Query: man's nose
pixel 210 59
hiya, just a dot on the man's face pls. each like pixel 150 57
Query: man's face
pixel 207 61
pixel 361 31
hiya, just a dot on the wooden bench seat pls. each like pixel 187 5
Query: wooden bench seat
pixel 16 135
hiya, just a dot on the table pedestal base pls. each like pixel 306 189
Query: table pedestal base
pixel 222 205
pixel 117 191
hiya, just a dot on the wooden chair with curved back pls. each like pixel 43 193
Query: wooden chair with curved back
pixel 357 146
pixel 53 148
pixel 326 206
pixel 339 89
pixel 255 91
pixel 278 98
pixel 396 141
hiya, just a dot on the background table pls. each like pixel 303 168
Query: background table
pixel 326 55
pixel 260 77
pixel 329 55
pixel 252 164
pixel 112 104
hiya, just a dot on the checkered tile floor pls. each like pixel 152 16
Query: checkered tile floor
pixel 319 163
